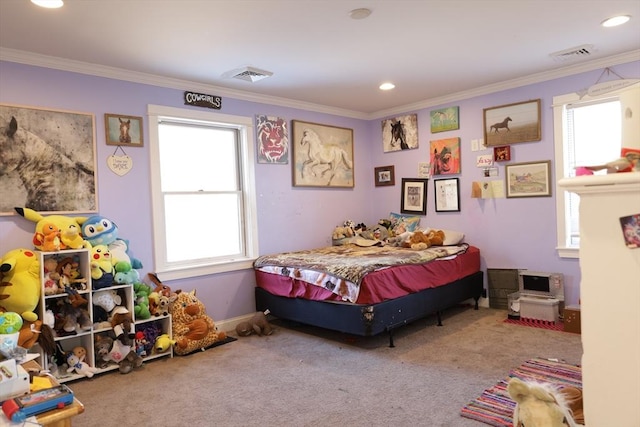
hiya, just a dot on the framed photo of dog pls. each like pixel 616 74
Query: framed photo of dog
pixel 322 155
pixel 123 130
pixel 512 123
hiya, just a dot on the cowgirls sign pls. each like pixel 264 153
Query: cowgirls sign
pixel 203 100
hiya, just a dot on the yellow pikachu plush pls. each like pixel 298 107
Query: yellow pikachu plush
pixel 20 283
pixel 69 229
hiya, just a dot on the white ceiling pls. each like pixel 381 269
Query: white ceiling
pixel 431 49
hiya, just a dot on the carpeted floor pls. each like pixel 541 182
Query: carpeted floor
pixel 495 407
pixel 542 324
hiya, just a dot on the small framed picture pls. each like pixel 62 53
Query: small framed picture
pixel 384 175
pixel 414 196
pixel 447 193
pixel 531 179
pixel 123 130
pixel 502 154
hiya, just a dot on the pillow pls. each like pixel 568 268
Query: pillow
pixel 409 222
pixel 451 237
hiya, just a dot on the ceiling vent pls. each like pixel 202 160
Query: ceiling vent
pixel 248 74
pixel 573 53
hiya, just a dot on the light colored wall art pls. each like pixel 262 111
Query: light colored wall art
pixel 47 160
pixel 322 155
pixel 531 179
pixel 400 133
pixel 445 119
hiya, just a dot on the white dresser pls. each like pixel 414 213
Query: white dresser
pixel 610 299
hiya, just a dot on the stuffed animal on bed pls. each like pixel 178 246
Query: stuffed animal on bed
pixel 192 328
pixel 545 405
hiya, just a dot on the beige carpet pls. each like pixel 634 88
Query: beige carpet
pixel 303 376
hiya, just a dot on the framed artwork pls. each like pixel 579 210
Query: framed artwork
pixel 444 119
pixel 512 123
pixel 531 179
pixel 400 133
pixel 272 139
pixel 48 160
pixel 502 154
pixel 384 176
pixel 322 155
pixel 447 194
pixel 123 130
pixel 414 196
pixel 445 156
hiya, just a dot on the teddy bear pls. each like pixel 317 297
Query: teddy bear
pixel 75 361
pixel 418 241
pixel 193 329
pixel 258 324
pixel 51 276
pixel 342 233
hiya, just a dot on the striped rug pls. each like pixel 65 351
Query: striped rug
pixel 495 407
pixel 535 323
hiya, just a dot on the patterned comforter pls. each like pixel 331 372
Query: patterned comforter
pixel 340 269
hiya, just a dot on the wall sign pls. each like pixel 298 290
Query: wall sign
pixel 203 100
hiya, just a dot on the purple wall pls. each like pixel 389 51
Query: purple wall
pixel 511 233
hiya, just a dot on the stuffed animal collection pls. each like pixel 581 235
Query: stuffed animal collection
pixel 54 232
pixel 192 328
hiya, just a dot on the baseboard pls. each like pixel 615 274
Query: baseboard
pixel 229 325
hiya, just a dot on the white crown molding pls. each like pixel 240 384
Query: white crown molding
pixel 28 58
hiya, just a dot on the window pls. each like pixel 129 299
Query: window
pixel 203 192
pixel 587 133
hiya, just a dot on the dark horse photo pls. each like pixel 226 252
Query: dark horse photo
pixel 47 160
pixel 502 125
pixel 400 133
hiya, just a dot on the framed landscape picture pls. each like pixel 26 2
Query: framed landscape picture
pixel 512 123
pixel 531 179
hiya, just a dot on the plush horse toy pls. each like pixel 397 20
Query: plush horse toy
pixel 545 405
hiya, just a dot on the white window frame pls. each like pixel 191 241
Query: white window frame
pixel 244 125
pixel 560 104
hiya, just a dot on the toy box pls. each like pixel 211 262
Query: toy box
pixel 539 308
pixel 15 380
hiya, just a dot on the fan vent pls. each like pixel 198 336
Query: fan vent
pixel 573 53
pixel 249 74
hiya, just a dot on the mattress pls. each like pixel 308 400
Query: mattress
pixel 382 284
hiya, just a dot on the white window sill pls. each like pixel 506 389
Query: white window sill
pixel 204 270
pixel 564 252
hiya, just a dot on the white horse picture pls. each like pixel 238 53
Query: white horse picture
pixel 323 158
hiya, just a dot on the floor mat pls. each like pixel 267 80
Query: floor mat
pixel 495 407
pixel 542 324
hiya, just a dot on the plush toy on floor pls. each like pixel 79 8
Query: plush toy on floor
pixel 544 405
pixel 258 325
pixel 192 328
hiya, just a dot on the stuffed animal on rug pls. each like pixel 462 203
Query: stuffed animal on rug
pixel 258 325
pixel 68 229
pixel 543 405
pixel 20 283
pixel 192 328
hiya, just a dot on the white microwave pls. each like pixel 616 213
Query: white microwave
pixel 541 284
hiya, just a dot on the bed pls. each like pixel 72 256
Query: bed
pixel 367 290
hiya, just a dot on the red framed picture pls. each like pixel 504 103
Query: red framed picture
pixel 502 153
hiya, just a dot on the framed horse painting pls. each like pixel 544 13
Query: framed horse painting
pixel 512 123
pixel 48 160
pixel 322 155
pixel 123 130
pixel 400 133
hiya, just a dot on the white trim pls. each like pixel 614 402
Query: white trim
pixel 29 58
pixel 245 126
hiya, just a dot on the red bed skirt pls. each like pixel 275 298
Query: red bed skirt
pixel 381 285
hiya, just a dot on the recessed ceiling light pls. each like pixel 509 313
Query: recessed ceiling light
pixel 360 13
pixel 615 21
pixel 49 4
pixel 387 86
